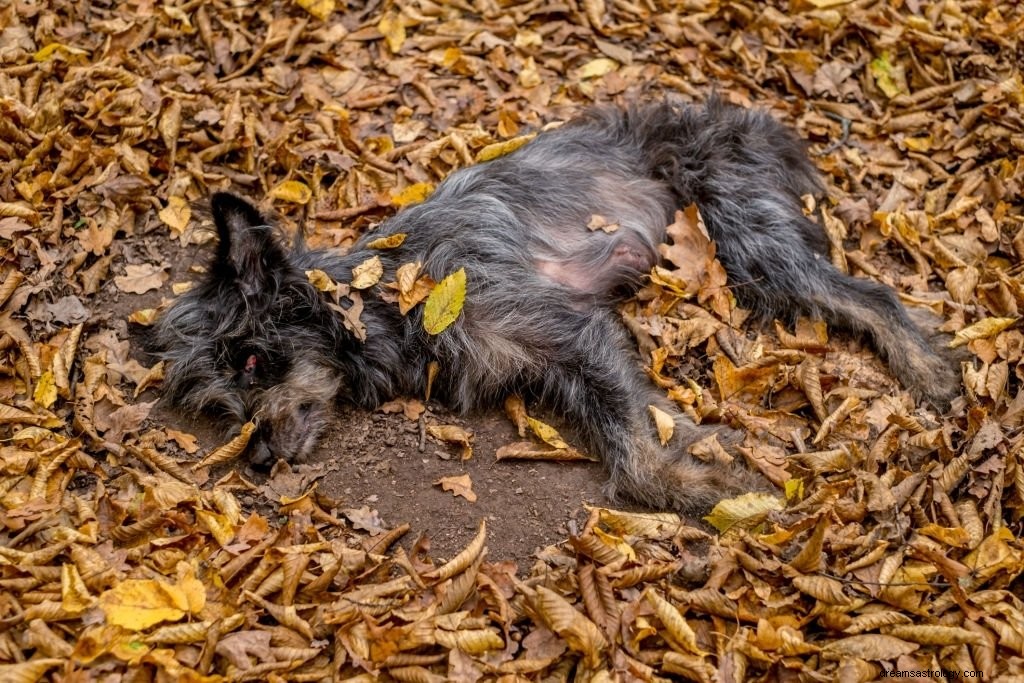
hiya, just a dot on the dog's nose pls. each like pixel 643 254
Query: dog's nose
pixel 261 455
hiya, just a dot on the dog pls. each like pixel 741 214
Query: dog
pixel 254 338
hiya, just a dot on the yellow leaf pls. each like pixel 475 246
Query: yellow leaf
pixel 143 316
pixel 50 51
pixel 500 149
pixel 179 288
pixel 528 76
pixel 321 9
pixel 176 215
pixel 664 422
pixel 444 305
pixel 546 433
pixel 218 526
pixel 891 79
pixel 597 67
pixel 137 604
pixel 389 242
pixel 75 597
pixel 321 280
pixel 367 273
pixel 746 509
pixel 46 390
pixel 416 192
pixel 294 191
pixel 393 28
pixel 983 329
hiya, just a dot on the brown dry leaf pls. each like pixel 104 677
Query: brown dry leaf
pixel 515 408
pixel 410 407
pixel 176 215
pixel 748 509
pixel 664 423
pixel 460 485
pixel 873 647
pixel 367 273
pixel 689 251
pixel 229 451
pixel 530 450
pixel 141 278
pixel 456 435
pixel 580 633
pixel 392 26
pixel 601 223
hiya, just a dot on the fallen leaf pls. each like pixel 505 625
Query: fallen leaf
pixel 460 485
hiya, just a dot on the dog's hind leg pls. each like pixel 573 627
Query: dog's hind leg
pixel 777 274
pixel 594 380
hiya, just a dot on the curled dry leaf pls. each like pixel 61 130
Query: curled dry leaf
pixel 229 451
pixel 454 434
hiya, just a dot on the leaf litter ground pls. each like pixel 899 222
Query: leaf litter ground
pixel 898 545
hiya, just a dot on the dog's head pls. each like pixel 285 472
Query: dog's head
pixel 253 340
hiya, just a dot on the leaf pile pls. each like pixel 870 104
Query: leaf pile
pixel 900 546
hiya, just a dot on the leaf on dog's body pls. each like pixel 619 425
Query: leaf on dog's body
pixel 351 316
pixel 412 287
pixel 444 305
pixel 500 149
pixel 389 242
pixel 599 222
pixel 367 273
pixel 461 485
pixel 664 422
pixel 321 280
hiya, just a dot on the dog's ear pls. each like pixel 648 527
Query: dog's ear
pixel 247 249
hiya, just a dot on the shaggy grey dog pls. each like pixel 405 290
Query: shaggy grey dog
pixel 255 338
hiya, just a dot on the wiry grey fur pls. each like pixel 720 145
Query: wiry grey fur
pixel 254 338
